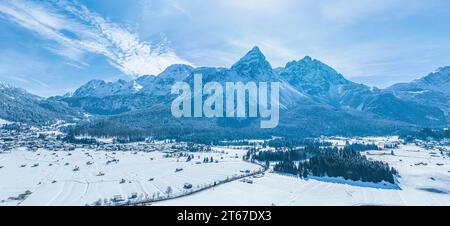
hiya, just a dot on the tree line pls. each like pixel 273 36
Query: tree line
pixel 302 153
pixel 427 134
pixel 362 147
pixel 294 142
pixel 327 161
pixel 350 165
pixel 291 154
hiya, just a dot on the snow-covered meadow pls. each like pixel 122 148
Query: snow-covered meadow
pixel 424 180
pixel 83 177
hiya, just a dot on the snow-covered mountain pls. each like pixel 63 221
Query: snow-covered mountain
pixel 145 84
pixel 314 99
pixel 160 85
pixel 433 89
pixel 321 82
pixel 313 76
pixel 102 98
pixel 254 65
pixel 438 81
pixel 98 88
pixel 17 105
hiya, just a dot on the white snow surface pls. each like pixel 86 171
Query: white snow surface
pixel 418 185
pixel 424 179
pixel 85 187
pixel 3 122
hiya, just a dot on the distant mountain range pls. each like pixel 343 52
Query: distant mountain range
pixel 17 105
pixel 433 90
pixel 314 99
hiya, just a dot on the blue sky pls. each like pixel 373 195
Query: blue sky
pixel 53 47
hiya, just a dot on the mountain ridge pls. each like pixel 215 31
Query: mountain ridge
pixel 313 97
pixel 432 89
pixel 17 105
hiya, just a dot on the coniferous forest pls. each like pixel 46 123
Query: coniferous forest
pixel 347 163
pixel 427 134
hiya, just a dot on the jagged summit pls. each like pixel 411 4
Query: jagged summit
pixel 437 81
pixel 311 71
pixel 255 52
pixel 177 67
pixel 254 63
pixel 17 105
pixel 308 61
pixel 95 83
pixel 309 91
pixel 441 75
pixel 445 69
pixel 99 88
pixel 121 82
pixel 4 85
pixel 145 83
pixel 145 80
pixel 177 72
pixel 9 87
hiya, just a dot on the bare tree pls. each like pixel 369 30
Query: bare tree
pixel 169 191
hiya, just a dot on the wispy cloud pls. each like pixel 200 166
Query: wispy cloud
pixel 75 31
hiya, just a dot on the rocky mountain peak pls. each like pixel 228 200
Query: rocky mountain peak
pixel 253 63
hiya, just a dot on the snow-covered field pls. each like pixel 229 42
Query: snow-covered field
pixel 51 179
pixel 425 180
pixel 3 122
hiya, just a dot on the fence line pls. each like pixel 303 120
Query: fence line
pixel 193 191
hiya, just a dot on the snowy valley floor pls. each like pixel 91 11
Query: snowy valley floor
pixel 425 179
pixel 419 185
pixel 54 182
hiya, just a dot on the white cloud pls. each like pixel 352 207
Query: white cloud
pixel 74 31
